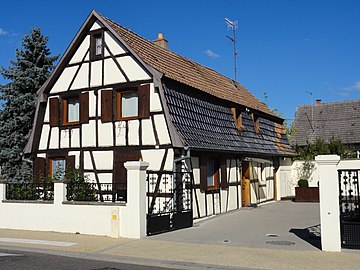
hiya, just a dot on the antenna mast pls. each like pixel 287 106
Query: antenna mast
pixel 233 26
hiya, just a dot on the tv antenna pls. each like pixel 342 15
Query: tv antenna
pixel 312 109
pixel 233 25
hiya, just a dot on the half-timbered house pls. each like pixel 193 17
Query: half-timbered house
pixel 115 96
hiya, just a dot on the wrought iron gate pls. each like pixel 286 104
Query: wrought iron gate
pixel 349 208
pixel 169 201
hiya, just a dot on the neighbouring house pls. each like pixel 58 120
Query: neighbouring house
pixel 339 120
pixel 115 97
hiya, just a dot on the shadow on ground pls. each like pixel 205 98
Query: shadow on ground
pixel 310 234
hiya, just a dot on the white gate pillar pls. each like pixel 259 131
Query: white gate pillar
pixel 135 225
pixel 329 202
pixel 2 191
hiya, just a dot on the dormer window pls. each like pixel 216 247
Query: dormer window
pixel 237 119
pixel 256 122
pixel 96 44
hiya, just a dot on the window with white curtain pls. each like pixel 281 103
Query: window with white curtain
pixel 73 110
pixel 98 45
pixel 129 104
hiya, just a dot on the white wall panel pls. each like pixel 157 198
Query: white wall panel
pixel 47 113
pixel 82 78
pixel 54 138
pixel 115 47
pixel 95 26
pixel 42 155
pixel 75 137
pixel 64 138
pixel 63 82
pixel 105 134
pixel 92 104
pixel 112 73
pixel 44 137
pixel 103 160
pixel 161 128
pixel 77 157
pixel 88 134
pixel 133 132
pixel 147 132
pixel 169 163
pixel 132 69
pixel 120 133
pixel 154 157
pixel 81 51
pixel 155 103
pixel 196 169
pixel 105 178
pixel 96 73
pixel 87 161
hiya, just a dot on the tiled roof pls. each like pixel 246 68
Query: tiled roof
pixel 188 72
pixel 206 125
pixel 340 120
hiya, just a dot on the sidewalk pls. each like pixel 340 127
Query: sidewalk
pixel 175 254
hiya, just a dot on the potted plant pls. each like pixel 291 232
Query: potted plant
pixel 304 193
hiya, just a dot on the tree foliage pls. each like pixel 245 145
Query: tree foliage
pixel 26 74
pixel 320 147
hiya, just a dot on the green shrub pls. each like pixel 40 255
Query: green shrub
pixel 79 188
pixel 303 183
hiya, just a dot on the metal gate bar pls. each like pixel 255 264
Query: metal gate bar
pixel 169 200
pixel 349 208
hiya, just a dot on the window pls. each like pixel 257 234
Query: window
pixel 57 168
pixel 256 122
pixel 127 105
pixel 237 115
pixel 71 111
pixel 211 173
pixel 96 44
pixel 65 110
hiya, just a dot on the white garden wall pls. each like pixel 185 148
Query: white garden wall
pixel 108 219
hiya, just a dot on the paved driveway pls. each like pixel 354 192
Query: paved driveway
pixel 283 224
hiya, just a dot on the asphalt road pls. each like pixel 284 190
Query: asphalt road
pixel 19 260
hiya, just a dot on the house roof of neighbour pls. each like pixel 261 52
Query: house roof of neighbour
pixel 188 72
pixel 340 120
pixel 206 125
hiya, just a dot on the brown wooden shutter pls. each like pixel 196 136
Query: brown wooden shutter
pixel 120 172
pixel 203 174
pixel 84 107
pixel 106 106
pixel 224 180
pixel 70 163
pixel 144 101
pixel 39 169
pixel 54 112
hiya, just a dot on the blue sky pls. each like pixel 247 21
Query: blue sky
pixel 285 48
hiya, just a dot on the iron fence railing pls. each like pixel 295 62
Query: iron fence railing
pixel 100 192
pixel 30 191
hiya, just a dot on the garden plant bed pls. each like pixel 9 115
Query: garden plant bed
pixel 306 194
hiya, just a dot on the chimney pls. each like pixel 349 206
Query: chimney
pixel 161 41
pixel 318 101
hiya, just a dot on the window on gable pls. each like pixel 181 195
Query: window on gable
pixel 127 104
pixel 71 111
pixel 96 44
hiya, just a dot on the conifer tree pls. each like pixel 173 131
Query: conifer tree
pixel 25 75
